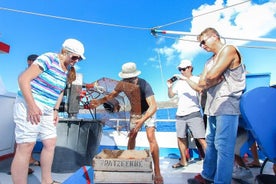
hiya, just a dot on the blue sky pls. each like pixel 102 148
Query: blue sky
pixel 115 32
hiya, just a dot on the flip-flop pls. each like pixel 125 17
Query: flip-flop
pixel 55 182
pixel 35 163
pixel 30 171
pixel 178 165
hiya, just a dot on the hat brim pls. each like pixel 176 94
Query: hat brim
pixel 82 57
pixel 129 75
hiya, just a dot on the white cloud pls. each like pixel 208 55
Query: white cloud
pixel 247 20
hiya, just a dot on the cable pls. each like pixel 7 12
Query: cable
pixel 182 20
pixel 73 19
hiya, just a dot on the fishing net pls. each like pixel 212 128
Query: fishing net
pixel 118 109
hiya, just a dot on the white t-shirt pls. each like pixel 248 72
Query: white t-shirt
pixel 188 101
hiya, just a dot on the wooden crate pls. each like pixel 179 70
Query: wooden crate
pixel 123 160
pixel 123 166
pixel 122 177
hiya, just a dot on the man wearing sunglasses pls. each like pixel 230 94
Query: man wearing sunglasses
pixel 224 79
pixel 188 115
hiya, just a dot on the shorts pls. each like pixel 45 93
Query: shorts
pixel 25 131
pixel 194 122
pixel 150 122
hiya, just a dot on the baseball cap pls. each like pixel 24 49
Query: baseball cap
pixel 74 46
pixel 184 63
pixel 32 57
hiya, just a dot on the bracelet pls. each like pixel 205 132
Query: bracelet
pixel 55 109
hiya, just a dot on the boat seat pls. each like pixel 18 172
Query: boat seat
pixel 258 110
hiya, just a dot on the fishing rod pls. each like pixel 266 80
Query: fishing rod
pixel 155 32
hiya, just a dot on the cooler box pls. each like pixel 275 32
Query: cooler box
pixel 123 166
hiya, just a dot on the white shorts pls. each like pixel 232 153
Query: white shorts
pixel 25 131
pixel 150 122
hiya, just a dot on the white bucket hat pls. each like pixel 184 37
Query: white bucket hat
pixel 129 70
pixel 184 63
pixel 74 46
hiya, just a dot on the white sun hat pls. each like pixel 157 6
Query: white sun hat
pixel 129 70
pixel 74 46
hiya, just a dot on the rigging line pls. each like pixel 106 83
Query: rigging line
pixel 182 20
pixel 162 78
pixel 245 46
pixel 73 19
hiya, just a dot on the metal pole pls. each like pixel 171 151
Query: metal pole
pixel 155 32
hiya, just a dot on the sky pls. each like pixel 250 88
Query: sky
pixel 116 32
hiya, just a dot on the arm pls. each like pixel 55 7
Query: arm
pixel 24 81
pixel 95 103
pixel 228 58
pixel 170 92
pixel 56 117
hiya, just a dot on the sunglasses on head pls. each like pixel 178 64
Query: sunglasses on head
pixel 182 69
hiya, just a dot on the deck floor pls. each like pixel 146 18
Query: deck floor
pixel 170 175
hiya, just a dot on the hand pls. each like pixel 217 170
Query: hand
pixel 56 118
pixel 180 77
pixel 93 104
pixel 34 114
pixel 139 124
pixel 169 83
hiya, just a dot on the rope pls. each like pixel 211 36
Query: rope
pixel 73 19
pixel 87 178
pixel 182 20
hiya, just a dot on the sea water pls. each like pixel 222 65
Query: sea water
pixel 161 114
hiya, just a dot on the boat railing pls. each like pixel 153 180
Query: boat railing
pixel 118 120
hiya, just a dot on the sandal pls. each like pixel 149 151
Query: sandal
pixel 35 163
pixel 55 182
pixel 158 180
pixel 178 165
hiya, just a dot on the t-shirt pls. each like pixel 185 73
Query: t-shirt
pixel 47 87
pixel 188 101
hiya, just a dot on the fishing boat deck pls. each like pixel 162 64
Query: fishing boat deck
pixel 170 175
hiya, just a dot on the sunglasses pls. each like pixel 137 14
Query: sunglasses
pixel 183 69
pixel 130 79
pixel 74 58
pixel 203 42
